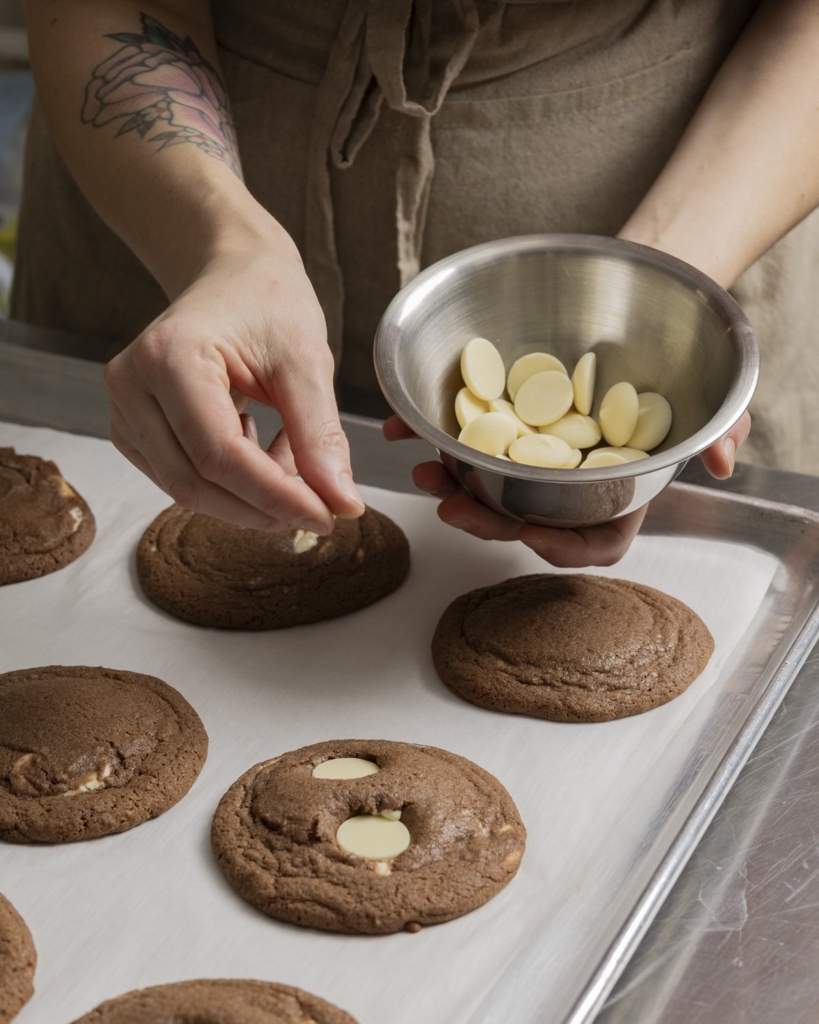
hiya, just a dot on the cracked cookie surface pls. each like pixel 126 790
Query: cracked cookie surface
pixel 18 960
pixel 216 1001
pixel 44 523
pixel 212 573
pixel 274 836
pixel 89 751
pixel 570 648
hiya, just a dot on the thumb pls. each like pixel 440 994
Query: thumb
pixel 719 458
pixel 308 409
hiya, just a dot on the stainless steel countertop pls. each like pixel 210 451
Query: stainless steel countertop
pixel 737 941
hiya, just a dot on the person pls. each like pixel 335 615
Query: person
pixel 234 190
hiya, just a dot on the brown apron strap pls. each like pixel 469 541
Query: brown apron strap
pixel 384 50
pixel 341 83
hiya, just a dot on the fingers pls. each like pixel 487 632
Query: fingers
pixel 202 419
pixel 464 513
pixel 434 478
pixel 395 429
pixel 279 449
pixel 249 428
pixel 319 446
pixel 720 457
pixel 178 477
pixel 592 545
pixel 596 545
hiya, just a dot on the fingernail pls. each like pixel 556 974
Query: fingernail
pixel 313 525
pixel 730 449
pixel 249 427
pixel 346 485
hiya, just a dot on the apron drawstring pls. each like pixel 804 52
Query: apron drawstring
pixel 384 52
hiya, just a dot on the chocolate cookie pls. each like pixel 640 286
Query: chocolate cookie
pixel 217 1002
pixel 436 836
pixel 44 523
pixel 18 959
pixel 570 648
pixel 89 751
pixel 211 573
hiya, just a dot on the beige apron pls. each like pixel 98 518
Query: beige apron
pixel 386 134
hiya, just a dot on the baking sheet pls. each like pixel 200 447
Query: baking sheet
pixel 603 802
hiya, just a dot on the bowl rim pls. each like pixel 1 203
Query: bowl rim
pixel 736 401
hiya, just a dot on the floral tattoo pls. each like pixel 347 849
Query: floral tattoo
pixel 158 80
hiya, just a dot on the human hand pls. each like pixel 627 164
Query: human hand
pixel 594 545
pixel 249 328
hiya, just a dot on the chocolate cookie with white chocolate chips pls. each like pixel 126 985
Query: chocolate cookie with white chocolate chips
pixel 217 1001
pixel 18 959
pixel 89 751
pixel 44 523
pixel 570 648
pixel 212 573
pixel 367 836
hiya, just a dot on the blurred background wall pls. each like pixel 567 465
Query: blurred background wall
pixel 16 91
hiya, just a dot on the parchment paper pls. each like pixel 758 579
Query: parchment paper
pixel 150 906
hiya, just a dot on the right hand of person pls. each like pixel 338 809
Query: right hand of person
pixel 248 328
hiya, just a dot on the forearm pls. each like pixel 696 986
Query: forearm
pixel 747 168
pixel 135 101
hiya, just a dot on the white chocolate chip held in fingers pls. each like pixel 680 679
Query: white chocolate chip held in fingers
pixel 420 838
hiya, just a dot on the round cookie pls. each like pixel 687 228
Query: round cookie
pixel 18 959
pixel 217 1002
pixel 571 648
pixel 212 573
pixel 89 751
pixel 44 523
pixel 274 836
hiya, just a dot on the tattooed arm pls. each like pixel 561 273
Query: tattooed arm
pixel 135 100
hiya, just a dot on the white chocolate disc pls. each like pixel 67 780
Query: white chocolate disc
pixel 373 837
pixel 304 540
pixel 618 413
pixel 542 450
pixel 490 433
pixel 544 398
pixel 467 407
pixel 629 454
pixel 527 366
pixel 583 382
pixel 507 409
pixel 575 429
pixel 599 459
pixel 345 768
pixel 653 421
pixel 482 369
pixel 574 461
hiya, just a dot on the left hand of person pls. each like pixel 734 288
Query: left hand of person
pixel 563 548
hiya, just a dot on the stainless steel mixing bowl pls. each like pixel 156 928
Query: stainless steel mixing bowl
pixel 652 320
